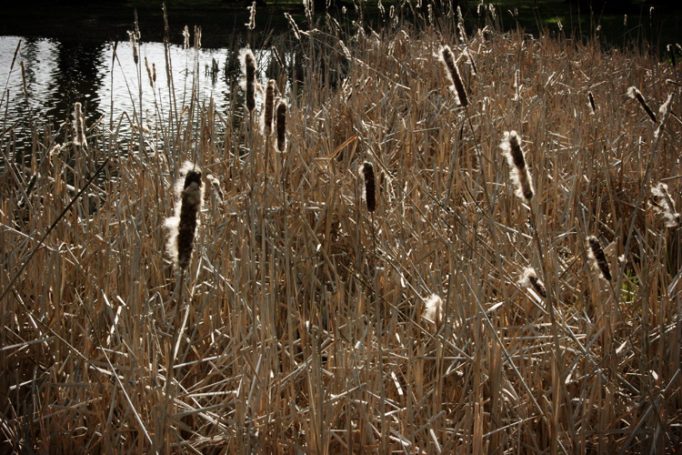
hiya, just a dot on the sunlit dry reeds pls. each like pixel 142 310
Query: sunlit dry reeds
pixel 285 341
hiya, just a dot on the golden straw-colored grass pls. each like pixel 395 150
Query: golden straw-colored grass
pixel 298 326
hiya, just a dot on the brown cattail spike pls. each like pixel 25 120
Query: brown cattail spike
pixel 134 37
pixel 191 202
pixel 269 107
pixel 520 176
pixel 529 279
pixel 593 106
pixel 664 205
pixel 79 126
pixel 248 62
pixel 367 172
pixel 182 226
pixel 185 37
pixel 457 87
pixel 281 119
pixel 636 94
pixel 598 258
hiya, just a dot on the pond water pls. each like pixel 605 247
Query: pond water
pixel 57 66
pixel 106 80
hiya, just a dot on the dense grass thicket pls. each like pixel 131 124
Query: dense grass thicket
pixel 305 323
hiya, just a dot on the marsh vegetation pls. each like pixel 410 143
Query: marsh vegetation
pixel 443 308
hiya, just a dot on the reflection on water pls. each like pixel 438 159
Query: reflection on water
pixel 105 79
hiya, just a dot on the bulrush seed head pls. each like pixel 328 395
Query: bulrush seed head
pixel 433 310
pixel 182 226
pixel 281 125
pixel 634 93
pixel 597 257
pixel 593 106
pixel 448 60
pixel 664 205
pixel 248 62
pixel 79 126
pixel 367 172
pixel 519 174
pixel 269 107
pixel 185 37
pixel 529 279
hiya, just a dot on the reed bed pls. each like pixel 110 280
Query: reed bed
pixel 454 317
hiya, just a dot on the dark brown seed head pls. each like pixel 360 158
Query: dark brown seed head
pixel 530 279
pixel 448 60
pixel 281 120
pixel 515 150
pixel 597 255
pixel 269 107
pixel 633 92
pixel 249 68
pixel 520 175
pixel 593 106
pixel 367 172
pixel 191 204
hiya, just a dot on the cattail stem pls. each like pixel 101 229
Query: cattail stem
pixel 593 106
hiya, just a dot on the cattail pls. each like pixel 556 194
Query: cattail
pixel 185 37
pixel 664 205
pixel 182 226
pixel 215 186
pixel 433 310
pixel 671 53
pixel 134 37
pixel 457 86
pixel 252 16
pixel 298 71
pixel 269 107
pixel 529 279
pixel 248 62
pixel 517 85
pixel 367 172
pixel 79 126
pixel 636 94
pixel 197 37
pixel 281 114
pixel 151 77
pixel 597 257
pixel 593 106
pixel 520 176
pixel 664 111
